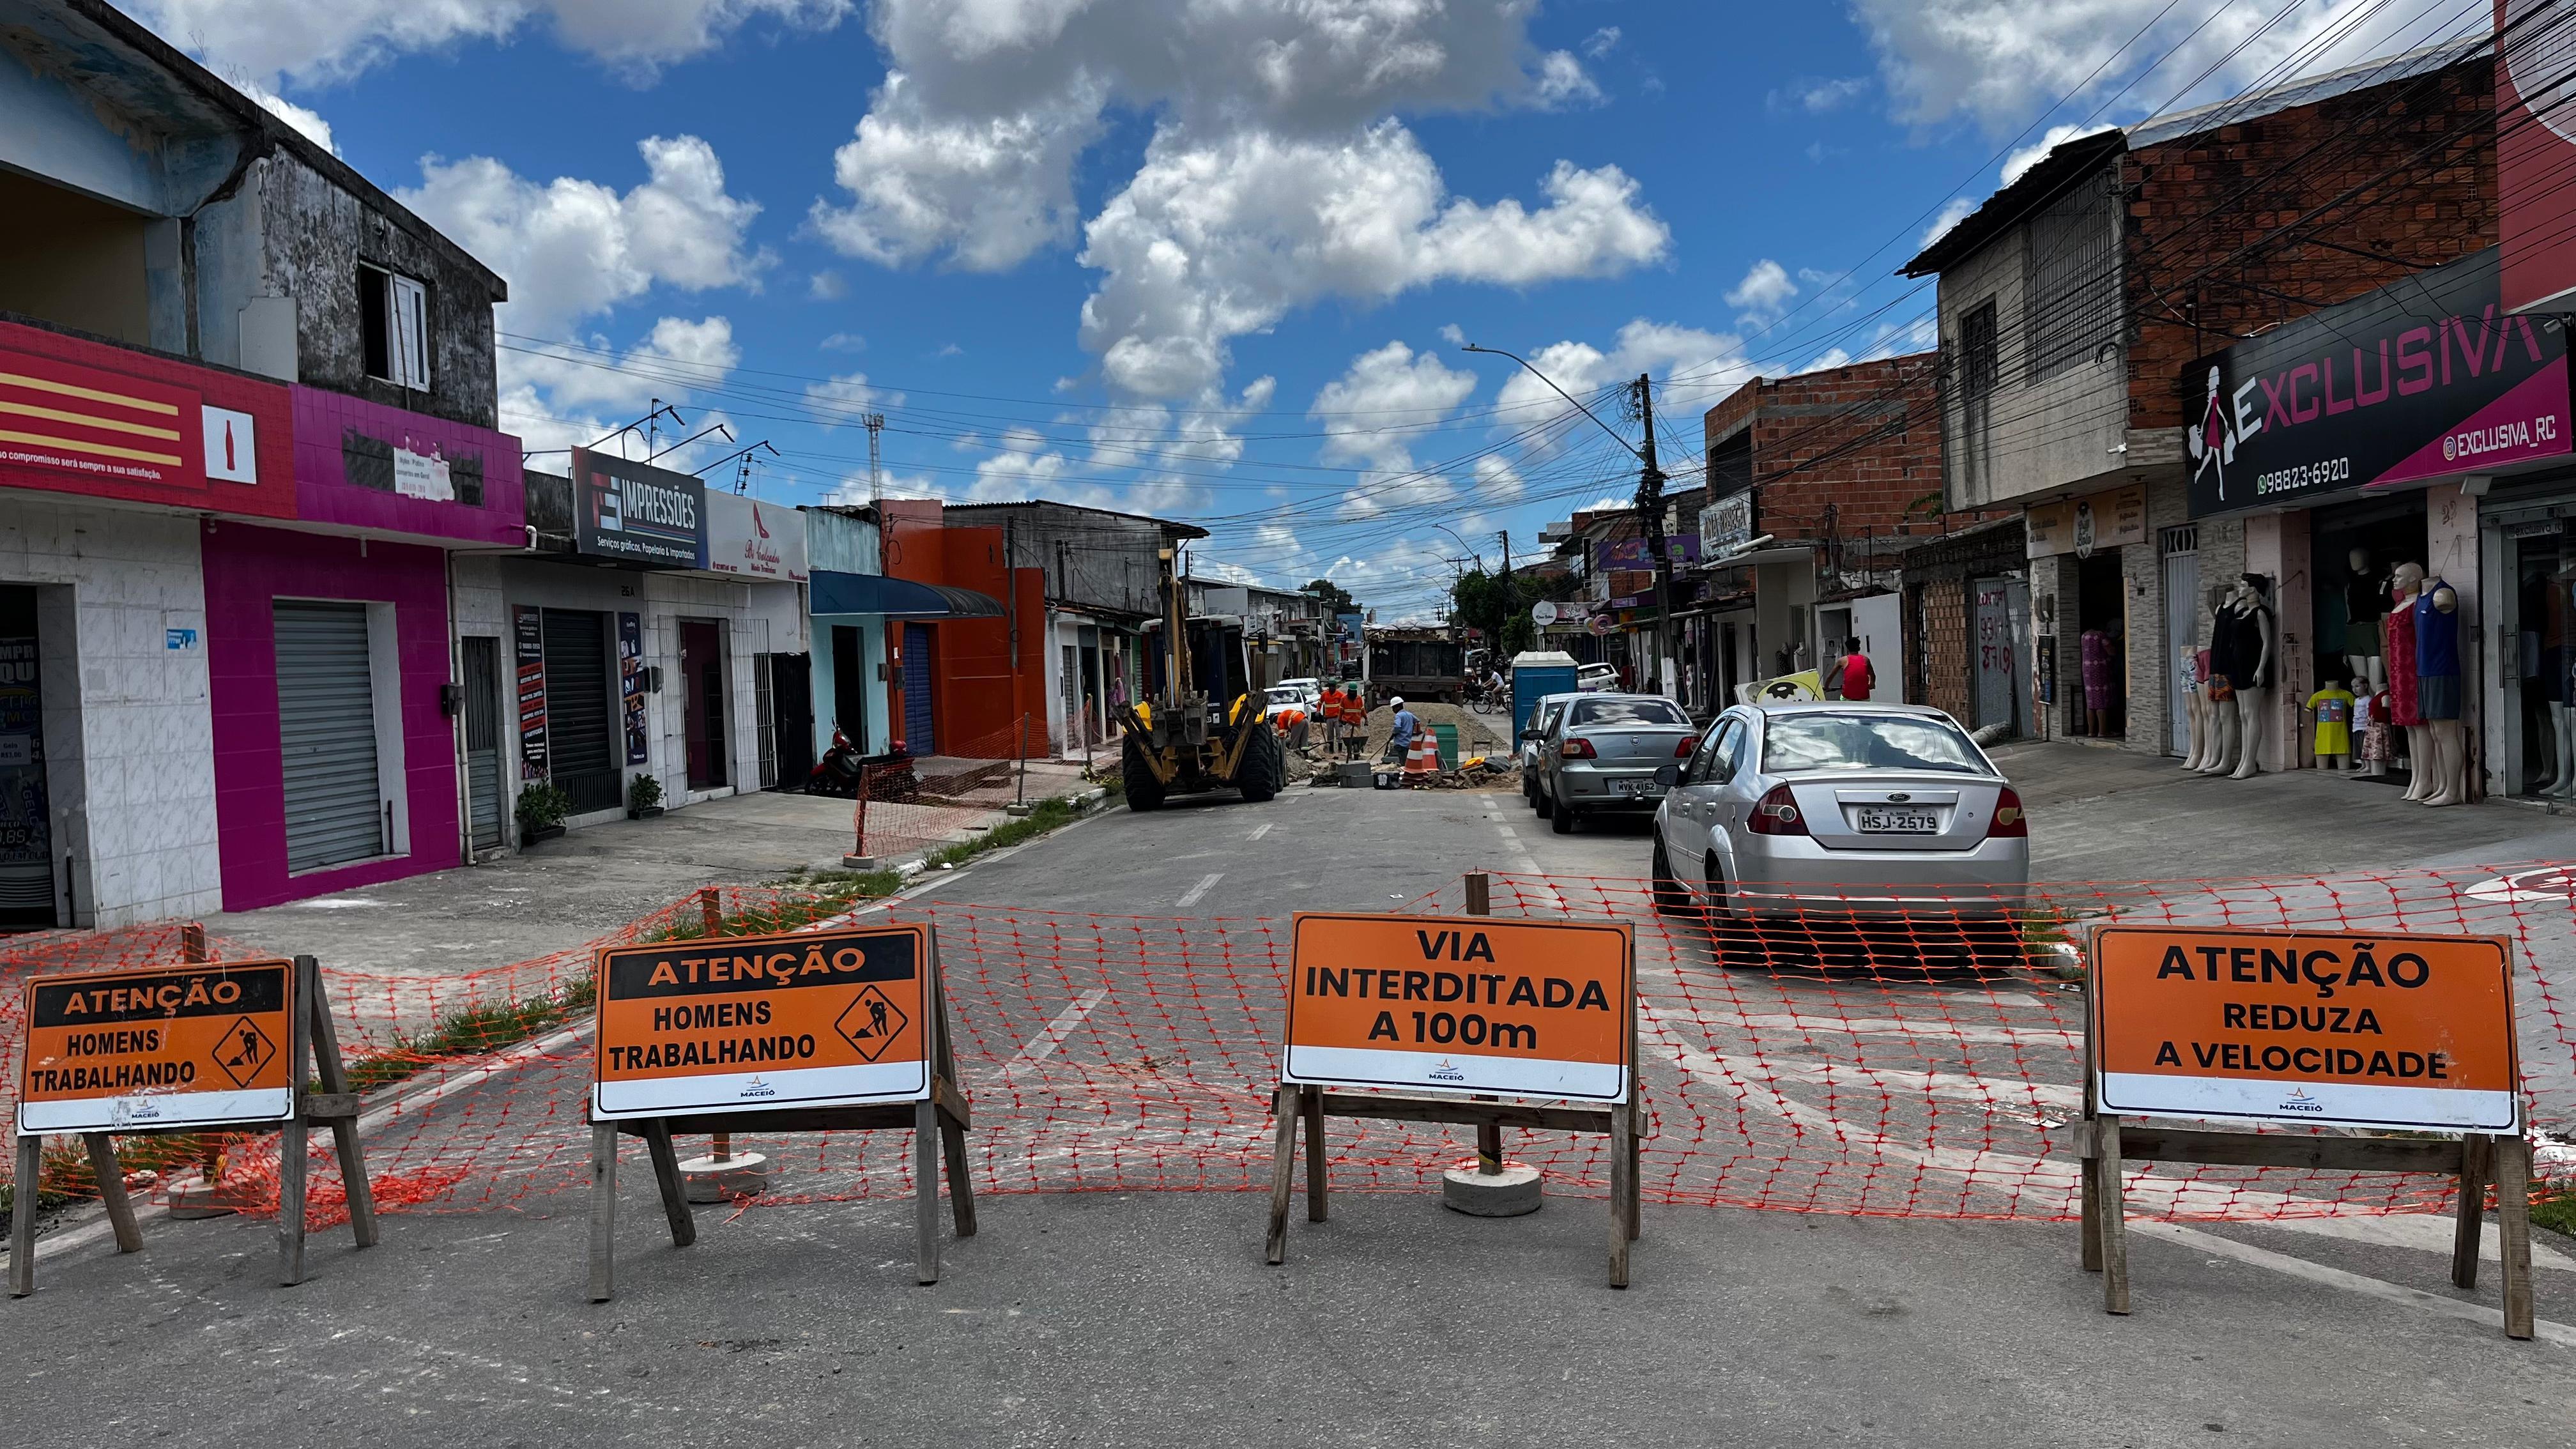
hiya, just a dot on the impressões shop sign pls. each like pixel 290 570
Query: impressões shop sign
pixel 2426 378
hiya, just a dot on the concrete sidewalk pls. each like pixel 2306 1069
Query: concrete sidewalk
pixel 565 892
pixel 2106 814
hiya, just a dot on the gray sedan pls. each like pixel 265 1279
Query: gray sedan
pixel 1543 715
pixel 1840 809
pixel 1602 756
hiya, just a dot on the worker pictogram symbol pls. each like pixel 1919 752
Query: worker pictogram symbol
pixel 872 1023
pixel 243 1050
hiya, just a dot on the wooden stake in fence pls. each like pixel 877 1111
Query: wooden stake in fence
pixel 242 1034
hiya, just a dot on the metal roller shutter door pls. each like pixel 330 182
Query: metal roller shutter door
pixel 326 722
pixel 579 727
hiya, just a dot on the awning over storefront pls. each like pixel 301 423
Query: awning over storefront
pixel 839 593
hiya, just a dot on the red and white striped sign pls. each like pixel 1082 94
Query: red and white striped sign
pixel 57 417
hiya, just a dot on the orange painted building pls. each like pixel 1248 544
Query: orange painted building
pixel 952 687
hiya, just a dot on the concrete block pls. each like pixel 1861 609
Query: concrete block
pixel 1505 1194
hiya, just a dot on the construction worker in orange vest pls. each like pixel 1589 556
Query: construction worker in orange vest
pixel 1355 716
pixel 1330 712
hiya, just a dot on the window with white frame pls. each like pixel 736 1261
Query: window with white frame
pixel 393 323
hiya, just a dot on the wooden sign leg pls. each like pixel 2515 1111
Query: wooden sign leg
pixel 2089 1177
pixel 295 1143
pixel 666 1176
pixel 293 1148
pixel 22 1217
pixel 1283 1172
pixel 603 1211
pixel 925 1187
pixel 2112 1212
pixel 111 1191
pixel 334 1077
pixel 1623 1127
pixel 961 1188
pixel 1636 1157
pixel 2477 1164
pixel 2513 1229
pixel 1316 1174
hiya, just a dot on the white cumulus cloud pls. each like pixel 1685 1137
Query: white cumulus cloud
pixel 571 248
pixel 1766 289
pixel 323 40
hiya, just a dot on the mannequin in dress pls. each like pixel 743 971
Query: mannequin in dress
pixel 2438 694
pixel 2252 616
pixel 2217 661
pixel 2365 602
pixel 2405 709
pixel 2195 707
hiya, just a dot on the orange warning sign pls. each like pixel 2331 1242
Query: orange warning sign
pixel 1462 1004
pixel 2355 1030
pixel 805 1019
pixel 114 1051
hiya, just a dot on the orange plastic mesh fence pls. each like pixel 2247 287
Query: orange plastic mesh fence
pixel 1927 1068
pixel 927 801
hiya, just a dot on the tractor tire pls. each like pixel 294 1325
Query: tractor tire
pixel 1263 767
pixel 1136 777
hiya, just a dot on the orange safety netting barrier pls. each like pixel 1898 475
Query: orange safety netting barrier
pixel 1931 1067
pixel 923 802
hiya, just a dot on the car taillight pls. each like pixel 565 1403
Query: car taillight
pixel 2011 821
pixel 1777 814
pixel 1577 750
pixel 1682 748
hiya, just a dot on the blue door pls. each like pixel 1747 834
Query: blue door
pixel 919 661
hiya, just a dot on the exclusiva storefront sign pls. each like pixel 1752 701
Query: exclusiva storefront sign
pixel 2426 378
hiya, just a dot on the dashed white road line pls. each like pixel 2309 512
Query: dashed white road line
pixel 1191 897
pixel 1261 830
pixel 1050 1037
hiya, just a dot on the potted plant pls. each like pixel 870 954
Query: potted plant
pixel 541 812
pixel 643 798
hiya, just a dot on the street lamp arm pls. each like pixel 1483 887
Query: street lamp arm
pixel 1560 392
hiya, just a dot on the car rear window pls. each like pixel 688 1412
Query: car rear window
pixel 1795 742
pixel 1629 711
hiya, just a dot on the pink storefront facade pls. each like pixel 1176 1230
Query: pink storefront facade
pixel 330 652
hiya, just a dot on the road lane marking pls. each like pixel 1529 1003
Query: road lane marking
pixel 2295 1267
pixel 1260 830
pixel 1206 883
pixel 1043 1045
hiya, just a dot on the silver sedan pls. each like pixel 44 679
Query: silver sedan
pixel 1836 810
pixel 1603 754
pixel 1542 719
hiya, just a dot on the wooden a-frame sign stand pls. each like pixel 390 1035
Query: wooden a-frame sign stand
pixel 1489 1117
pixel 314 1040
pixel 940 1119
pixel 2478 1160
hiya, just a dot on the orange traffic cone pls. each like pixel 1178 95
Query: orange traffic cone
pixel 1423 758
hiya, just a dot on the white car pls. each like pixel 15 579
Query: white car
pixel 1308 689
pixel 1284 700
pixel 1596 678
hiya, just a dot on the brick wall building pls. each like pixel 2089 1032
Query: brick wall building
pixel 1844 469
pixel 2077 298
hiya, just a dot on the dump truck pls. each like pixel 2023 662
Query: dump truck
pixel 1200 725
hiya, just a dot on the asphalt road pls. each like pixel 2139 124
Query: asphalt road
pixel 1124 1317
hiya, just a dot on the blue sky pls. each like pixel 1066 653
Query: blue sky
pixel 1211 258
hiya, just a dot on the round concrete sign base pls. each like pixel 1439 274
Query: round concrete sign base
pixel 193 1197
pixel 706 1179
pixel 1506 1194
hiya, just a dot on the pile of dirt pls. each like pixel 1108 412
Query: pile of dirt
pixel 1478 734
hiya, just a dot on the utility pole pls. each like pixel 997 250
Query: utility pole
pixel 1650 508
pixel 875 424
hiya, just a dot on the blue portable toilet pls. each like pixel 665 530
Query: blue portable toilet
pixel 1537 674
